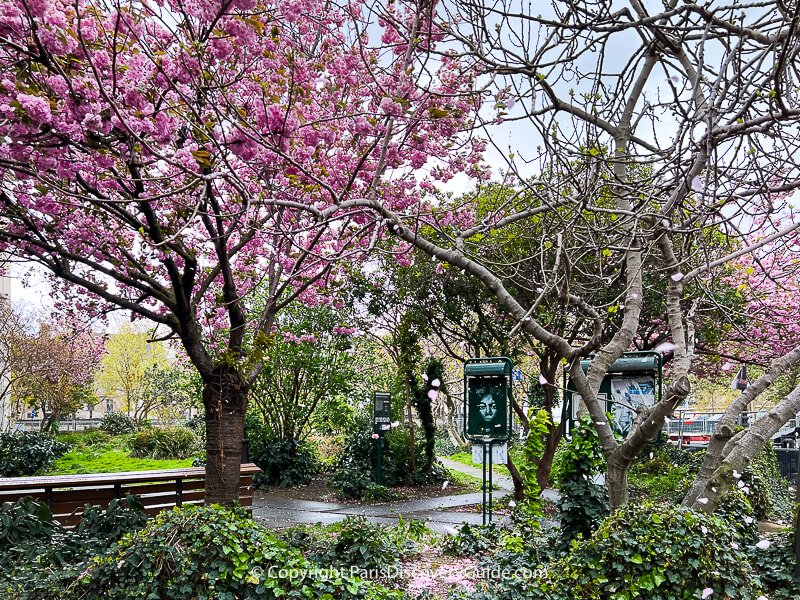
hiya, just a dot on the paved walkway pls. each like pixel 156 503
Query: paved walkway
pixel 502 481
pixel 285 512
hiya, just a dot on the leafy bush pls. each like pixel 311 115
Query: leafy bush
pixel 85 438
pixel 775 565
pixel 355 467
pixel 117 423
pixel 41 559
pixel 359 543
pixel 769 490
pixel 285 463
pixel 471 540
pixel 375 492
pixel 212 552
pixel 444 446
pixel 645 551
pixel 737 511
pixel 164 443
pixel 27 453
pixel 582 504
pixel 352 480
pixel 23 521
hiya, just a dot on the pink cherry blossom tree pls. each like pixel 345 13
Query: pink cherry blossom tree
pixel 169 157
pixel 55 367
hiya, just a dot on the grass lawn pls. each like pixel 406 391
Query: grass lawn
pixel 109 457
pixel 465 458
pixel 462 480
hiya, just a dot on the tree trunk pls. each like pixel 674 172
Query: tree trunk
pixel 519 485
pixel 617 482
pixel 412 442
pixel 548 366
pixel 708 492
pixel 48 419
pixel 225 400
pixel 545 466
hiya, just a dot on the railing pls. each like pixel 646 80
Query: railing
pixel 66 495
pixel 788 462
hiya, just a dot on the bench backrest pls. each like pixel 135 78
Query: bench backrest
pixel 66 495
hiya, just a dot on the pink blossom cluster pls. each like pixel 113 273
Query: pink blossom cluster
pixel 187 148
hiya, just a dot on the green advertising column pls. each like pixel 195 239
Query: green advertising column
pixel 487 409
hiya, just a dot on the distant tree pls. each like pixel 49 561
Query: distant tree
pixel 124 368
pixel 307 372
pixel 57 365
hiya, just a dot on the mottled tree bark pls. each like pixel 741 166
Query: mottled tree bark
pixel 225 401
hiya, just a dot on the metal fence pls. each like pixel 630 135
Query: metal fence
pixel 63 426
pixel 788 459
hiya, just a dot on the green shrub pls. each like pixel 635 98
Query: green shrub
pixel 358 543
pixel 443 445
pixel 41 559
pixel 775 565
pixel 210 552
pixel 285 463
pixel 769 490
pixel 658 553
pixel 352 480
pixel 355 467
pixel 375 492
pixel 27 453
pixel 582 504
pixel 737 511
pixel 164 443
pixel 471 540
pixel 117 423
pixel 26 520
pixel 85 438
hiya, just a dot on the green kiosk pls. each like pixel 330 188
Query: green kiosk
pixel 634 380
pixel 487 412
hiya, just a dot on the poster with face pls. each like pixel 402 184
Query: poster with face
pixel 488 408
pixel 627 395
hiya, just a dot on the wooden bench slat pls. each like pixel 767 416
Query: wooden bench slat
pixel 157 490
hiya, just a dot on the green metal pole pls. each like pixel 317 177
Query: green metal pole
pixel 483 487
pixel 491 485
pixel 378 475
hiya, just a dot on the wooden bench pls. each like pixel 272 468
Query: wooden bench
pixel 66 495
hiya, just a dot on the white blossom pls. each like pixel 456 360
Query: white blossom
pixel 763 544
pixel 706 593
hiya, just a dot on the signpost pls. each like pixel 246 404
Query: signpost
pixel 633 380
pixel 381 421
pixel 487 406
